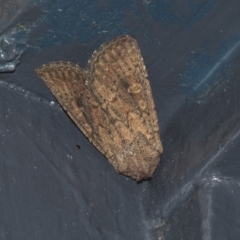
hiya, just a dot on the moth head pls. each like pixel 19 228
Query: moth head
pixel 138 165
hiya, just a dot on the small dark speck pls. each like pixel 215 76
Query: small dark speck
pixel 78 146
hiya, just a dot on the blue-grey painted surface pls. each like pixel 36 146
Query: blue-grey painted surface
pixel 52 189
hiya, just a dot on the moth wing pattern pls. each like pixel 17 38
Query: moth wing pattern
pixel 111 103
pixel 67 82
pixel 118 78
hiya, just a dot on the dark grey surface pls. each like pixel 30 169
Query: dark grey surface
pixel 51 189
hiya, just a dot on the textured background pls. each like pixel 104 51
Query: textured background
pixel 51 189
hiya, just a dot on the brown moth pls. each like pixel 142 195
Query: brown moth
pixel 111 103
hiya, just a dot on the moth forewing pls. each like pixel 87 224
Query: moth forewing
pixel 112 104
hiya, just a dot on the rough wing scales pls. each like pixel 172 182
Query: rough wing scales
pixel 111 103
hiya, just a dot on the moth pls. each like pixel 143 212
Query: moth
pixel 112 104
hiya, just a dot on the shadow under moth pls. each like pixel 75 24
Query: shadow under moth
pixel 111 103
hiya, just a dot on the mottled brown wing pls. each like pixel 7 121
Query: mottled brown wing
pixel 67 82
pixel 118 79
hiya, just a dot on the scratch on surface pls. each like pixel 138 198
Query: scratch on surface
pixel 218 64
pixel 212 159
